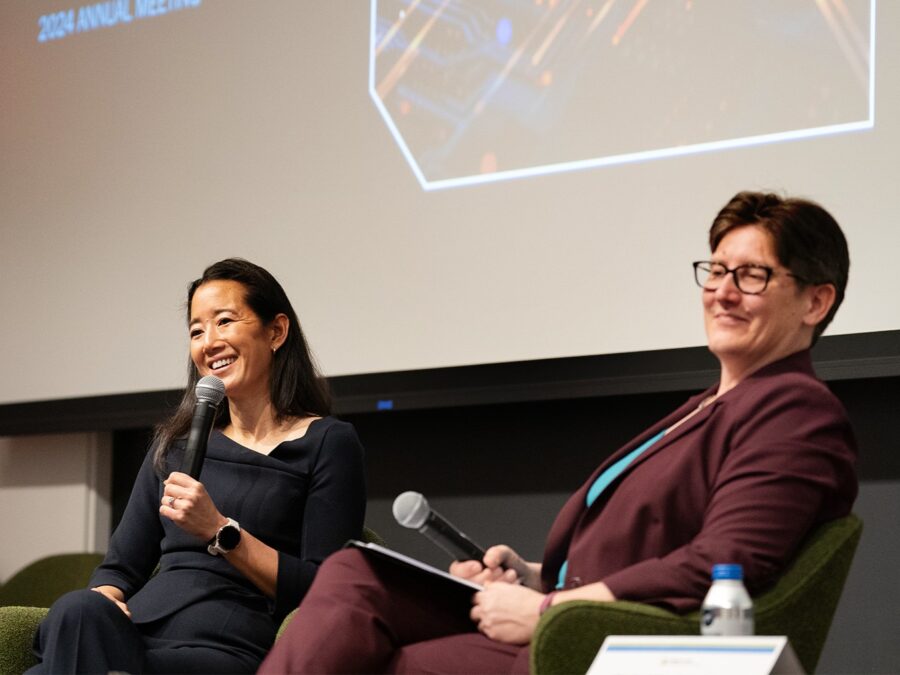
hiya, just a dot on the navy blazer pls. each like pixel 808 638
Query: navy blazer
pixel 743 481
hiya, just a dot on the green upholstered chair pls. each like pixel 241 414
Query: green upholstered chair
pixel 372 537
pixel 800 605
pixel 40 583
pixel 25 597
pixel 18 624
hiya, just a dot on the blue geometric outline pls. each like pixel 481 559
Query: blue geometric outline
pixel 626 158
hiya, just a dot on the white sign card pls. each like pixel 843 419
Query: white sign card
pixel 695 655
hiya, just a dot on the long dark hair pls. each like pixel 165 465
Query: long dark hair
pixel 295 386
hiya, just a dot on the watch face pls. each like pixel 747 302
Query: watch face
pixel 229 537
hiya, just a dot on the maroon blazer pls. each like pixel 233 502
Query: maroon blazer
pixel 743 481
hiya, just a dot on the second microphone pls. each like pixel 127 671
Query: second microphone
pixel 411 510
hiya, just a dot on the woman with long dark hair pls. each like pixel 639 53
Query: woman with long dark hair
pixel 282 486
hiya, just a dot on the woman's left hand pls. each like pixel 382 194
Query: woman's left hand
pixel 506 612
pixel 186 503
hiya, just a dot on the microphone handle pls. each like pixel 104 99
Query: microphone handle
pixel 449 538
pixel 198 437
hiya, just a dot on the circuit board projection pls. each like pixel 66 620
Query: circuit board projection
pixel 479 90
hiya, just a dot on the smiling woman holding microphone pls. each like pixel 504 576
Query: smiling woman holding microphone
pixel 282 487
pixel 740 473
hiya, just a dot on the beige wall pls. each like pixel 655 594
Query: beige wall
pixel 54 496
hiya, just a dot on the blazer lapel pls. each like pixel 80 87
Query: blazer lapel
pixel 557 543
pixel 665 423
pixel 683 429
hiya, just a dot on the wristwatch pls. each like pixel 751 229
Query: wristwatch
pixel 226 539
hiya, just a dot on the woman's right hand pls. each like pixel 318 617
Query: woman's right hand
pixel 500 563
pixel 114 594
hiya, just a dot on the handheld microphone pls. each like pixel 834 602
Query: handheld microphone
pixel 411 510
pixel 210 391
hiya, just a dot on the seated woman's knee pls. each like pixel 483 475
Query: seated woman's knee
pixel 82 602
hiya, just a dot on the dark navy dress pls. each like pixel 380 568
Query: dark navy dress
pixel 305 499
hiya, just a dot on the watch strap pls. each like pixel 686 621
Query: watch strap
pixel 215 545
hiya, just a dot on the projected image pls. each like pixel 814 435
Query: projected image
pixel 482 90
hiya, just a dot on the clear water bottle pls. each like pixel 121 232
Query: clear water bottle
pixel 727 608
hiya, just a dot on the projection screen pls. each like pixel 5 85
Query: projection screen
pixel 435 182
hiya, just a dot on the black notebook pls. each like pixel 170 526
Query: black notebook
pixel 411 563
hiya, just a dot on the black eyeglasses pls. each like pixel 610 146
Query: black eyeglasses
pixel 749 279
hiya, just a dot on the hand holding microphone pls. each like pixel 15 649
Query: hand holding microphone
pixel 185 500
pixel 411 510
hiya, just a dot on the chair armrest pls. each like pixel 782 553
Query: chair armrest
pixel 17 628
pixel 284 624
pixel 569 635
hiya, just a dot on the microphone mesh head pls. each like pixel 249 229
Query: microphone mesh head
pixel 210 389
pixel 411 509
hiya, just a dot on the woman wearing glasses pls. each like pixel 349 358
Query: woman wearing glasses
pixel 740 473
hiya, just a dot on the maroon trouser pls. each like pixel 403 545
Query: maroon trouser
pixel 368 615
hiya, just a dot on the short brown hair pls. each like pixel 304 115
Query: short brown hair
pixel 808 240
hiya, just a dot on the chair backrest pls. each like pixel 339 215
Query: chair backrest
pixel 40 583
pixel 802 603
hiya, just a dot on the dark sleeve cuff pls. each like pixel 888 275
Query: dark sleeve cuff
pixel 295 576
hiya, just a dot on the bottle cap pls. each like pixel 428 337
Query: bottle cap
pixel 727 572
